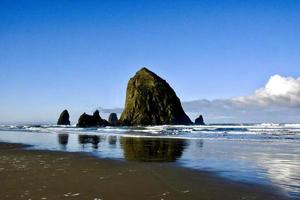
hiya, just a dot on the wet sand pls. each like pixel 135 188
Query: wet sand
pixel 36 174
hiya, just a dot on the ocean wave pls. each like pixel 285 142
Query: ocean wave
pixel 265 131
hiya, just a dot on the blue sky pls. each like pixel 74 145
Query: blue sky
pixel 80 54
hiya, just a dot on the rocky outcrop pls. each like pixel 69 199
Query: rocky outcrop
pixel 151 101
pixel 199 120
pixel 64 118
pixel 86 120
pixel 113 119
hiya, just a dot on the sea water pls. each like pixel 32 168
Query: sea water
pixel 256 153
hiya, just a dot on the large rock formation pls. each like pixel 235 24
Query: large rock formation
pixel 113 119
pixel 86 120
pixel 64 118
pixel 199 120
pixel 151 101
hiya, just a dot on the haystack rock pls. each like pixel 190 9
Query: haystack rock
pixel 151 101
pixel 64 118
pixel 199 121
pixel 113 119
pixel 86 120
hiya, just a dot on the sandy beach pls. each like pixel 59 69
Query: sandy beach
pixel 36 174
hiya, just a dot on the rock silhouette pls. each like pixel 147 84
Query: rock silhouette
pixel 64 118
pixel 199 120
pixel 86 120
pixel 151 101
pixel 113 119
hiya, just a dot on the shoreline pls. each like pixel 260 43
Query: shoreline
pixel 44 174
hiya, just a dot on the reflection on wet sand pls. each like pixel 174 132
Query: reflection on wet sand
pixel 152 149
pixel 112 140
pixel 140 149
pixel 63 140
pixel 89 139
pixel 199 143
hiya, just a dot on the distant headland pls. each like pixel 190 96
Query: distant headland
pixel 150 100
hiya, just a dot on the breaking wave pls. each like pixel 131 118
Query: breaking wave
pixel 264 131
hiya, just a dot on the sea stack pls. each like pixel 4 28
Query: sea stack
pixel 94 120
pixel 113 119
pixel 199 121
pixel 151 101
pixel 64 118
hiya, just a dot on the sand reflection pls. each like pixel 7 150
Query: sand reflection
pixel 89 139
pixel 63 140
pixel 152 149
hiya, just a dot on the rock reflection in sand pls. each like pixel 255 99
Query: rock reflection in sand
pixel 112 140
pixel 152 149
pixel 132 148
pixel 89 139
pixel 63 140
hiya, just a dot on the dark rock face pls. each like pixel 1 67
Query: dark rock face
pixel 86 120
pixel 199 121
pixel 64 118
pixel 151 101
pixel 113 119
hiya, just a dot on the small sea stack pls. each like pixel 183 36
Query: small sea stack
pixel 150 100
pixel 199 120
pixel 64 118
pixel 113 119
pixel 94 120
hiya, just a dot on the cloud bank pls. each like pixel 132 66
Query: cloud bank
pixel 278 101
pixel 279 91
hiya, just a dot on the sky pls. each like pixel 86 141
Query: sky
pixel 225 59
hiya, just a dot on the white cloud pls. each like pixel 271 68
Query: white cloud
pixel 279 91
pixel 278 101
